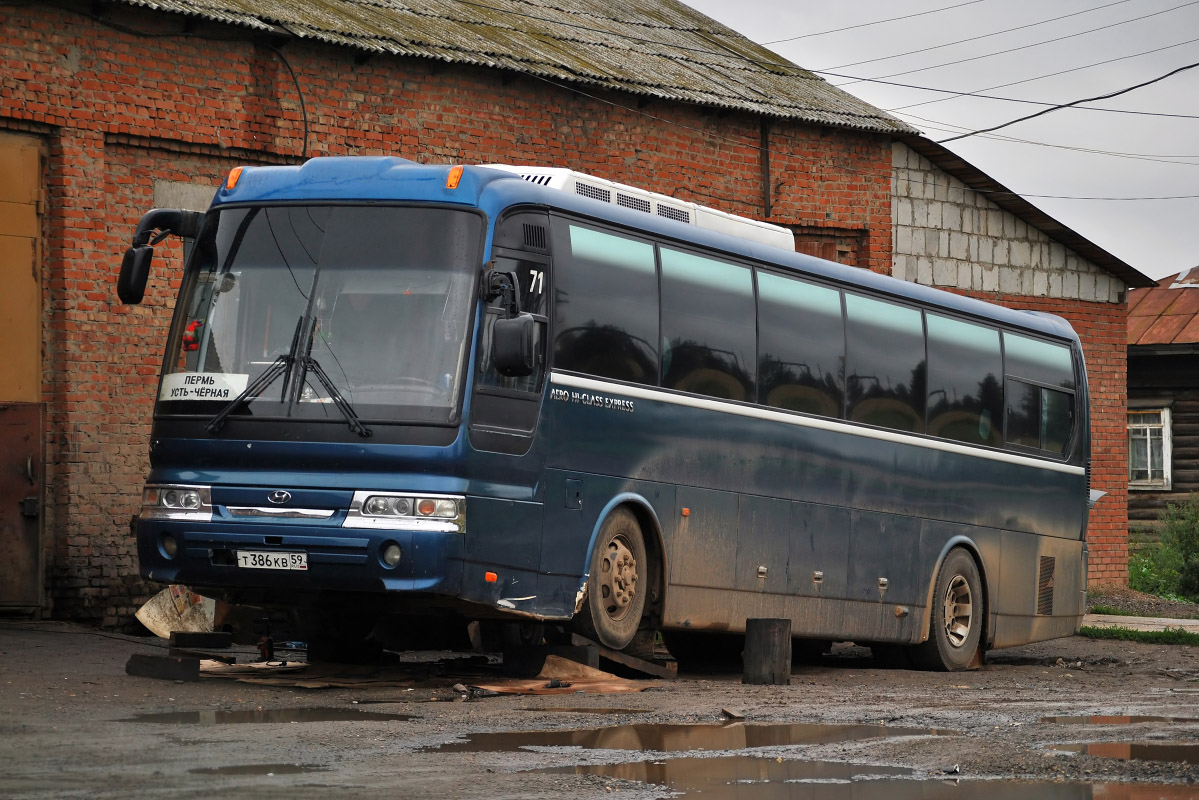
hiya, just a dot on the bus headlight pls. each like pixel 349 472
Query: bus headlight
pixel 174 501
pixel 407 512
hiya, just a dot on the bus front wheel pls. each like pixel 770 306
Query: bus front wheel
pixel 617 582
pixel 956 621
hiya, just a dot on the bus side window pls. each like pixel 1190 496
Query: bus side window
pixel 885 364
pixel 801 346
pixel 708 322
pixel 606 307
pixel 965 387
pixel 1039 416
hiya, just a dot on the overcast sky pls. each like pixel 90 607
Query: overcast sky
pixel 1160 154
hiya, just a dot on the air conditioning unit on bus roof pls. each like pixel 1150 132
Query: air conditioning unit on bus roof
pixel 618 194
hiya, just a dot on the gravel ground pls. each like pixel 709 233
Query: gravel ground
pixel 1139 604
pixel 65 702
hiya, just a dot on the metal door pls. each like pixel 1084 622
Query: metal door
pixel 20 374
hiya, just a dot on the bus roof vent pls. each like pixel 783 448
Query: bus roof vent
pixel 635 203
pixel 661 205
pixel 594 192
pixel 670 212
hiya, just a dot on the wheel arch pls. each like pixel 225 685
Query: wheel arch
pixel 655 547
pixel 975 552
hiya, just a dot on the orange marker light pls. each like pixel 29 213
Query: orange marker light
pixel 490 577
pixel 451 180
pixel 686 512
pixel 234 177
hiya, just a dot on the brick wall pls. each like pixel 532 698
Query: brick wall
pixel 120 111
pixel 951 237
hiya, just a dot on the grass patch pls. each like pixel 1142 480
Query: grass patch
pixel 1168 636
pixel 1110 611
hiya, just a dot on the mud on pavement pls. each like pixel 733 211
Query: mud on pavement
pixel 73 724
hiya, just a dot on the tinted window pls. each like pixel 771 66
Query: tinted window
pixel 708 330
pixel 1038 417
pixel 1038 361
pixel 606 307
pixel 885 372
pixel 965 388
pixel 801 346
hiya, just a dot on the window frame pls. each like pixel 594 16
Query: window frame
pixel 1164 424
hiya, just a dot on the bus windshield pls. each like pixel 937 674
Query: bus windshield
pixel 378 296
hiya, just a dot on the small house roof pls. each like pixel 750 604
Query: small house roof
pixel 1165 314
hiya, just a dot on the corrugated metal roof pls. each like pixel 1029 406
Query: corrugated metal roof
pixel 658 48
pixel 1166 314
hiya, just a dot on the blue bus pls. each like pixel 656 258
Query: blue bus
pixel 497 393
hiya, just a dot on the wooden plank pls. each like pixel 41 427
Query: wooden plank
pixel 202 655
pixel 167 668
pixel 204 640
pixel 668 669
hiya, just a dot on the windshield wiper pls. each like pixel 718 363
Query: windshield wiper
pixel 280 366
pixel 343 405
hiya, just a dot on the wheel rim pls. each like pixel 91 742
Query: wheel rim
pixel 957 611
pixel 618 579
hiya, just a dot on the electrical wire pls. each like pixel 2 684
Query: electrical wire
pixel 300 94
pixel 869 24
pixel 1022 47
pixel 1043 112
pixel 742 144
pixel 948 127
pixel 1013 99
pixel 983 36
pixel 1049 75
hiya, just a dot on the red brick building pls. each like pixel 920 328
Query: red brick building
pixel 107 110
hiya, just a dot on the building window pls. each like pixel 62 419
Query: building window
pixel 1149 448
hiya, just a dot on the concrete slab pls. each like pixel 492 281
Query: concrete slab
pixel 1139 623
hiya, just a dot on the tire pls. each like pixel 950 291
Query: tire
pixel 616 583
pixel 957 617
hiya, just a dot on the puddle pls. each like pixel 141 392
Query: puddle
pixel 679 738
pixel 1110 720
pixel 616 711
pixel 746 778
pixel 286 715
pixel 258 769
pixel 1135 751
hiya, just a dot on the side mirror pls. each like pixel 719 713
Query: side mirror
pixel 135 266
pixel 513 346
pixel 135 272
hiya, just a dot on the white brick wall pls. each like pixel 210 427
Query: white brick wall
pixel 945 234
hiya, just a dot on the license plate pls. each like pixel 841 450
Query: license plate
pixel 257 559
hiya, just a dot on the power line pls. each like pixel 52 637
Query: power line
pixel 1048 75
pixel 868 24
pixel 983 36
pixel 1009 99
pixel 949 127
pixel 1026 46
pixel 1074 103
pixel 741 143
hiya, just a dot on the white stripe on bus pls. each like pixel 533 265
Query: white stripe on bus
pixel 757 412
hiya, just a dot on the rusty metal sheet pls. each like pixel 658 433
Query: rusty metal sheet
pixel 20 501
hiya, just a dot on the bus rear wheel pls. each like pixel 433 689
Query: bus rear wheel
pixel 956 621
pixel 617 582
